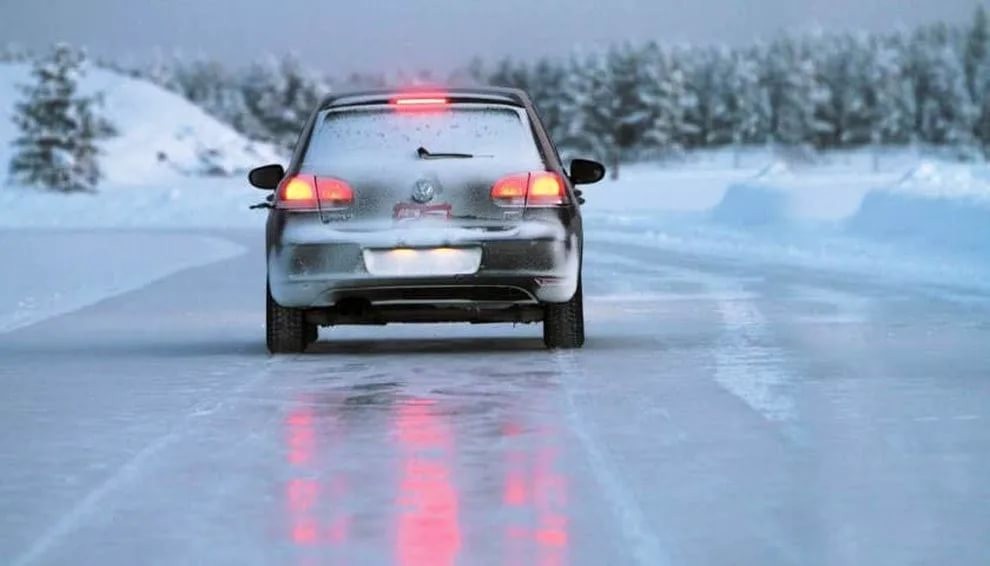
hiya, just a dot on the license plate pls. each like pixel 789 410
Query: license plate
pixel 410 211
pixel 415 262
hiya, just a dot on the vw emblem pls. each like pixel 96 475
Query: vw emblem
pixel 424 191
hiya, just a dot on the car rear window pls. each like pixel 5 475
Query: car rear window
pixel 386 135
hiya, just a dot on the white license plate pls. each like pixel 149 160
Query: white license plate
pixel 422 261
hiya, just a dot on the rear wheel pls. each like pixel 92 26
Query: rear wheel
pixel 563 323
pixel 286 329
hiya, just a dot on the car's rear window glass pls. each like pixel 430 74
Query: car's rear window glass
pixel 384 134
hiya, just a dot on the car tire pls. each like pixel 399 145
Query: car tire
pixel 563 323
pixel 286 329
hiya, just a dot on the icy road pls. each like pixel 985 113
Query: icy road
pixel 721 413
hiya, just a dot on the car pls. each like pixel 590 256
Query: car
pixel 424 207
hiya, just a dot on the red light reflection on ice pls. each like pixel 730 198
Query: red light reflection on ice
pixel 311 491
pixel 301 436
pixel 428 529
pixel 537 490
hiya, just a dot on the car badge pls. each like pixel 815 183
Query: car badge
pixel 424 191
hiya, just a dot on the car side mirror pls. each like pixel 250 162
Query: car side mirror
pixel 266 177
pixel 586 171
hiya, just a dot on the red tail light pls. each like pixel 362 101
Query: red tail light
pixel 306 192
pixel 511 190
pixel 545 189
pixel 539 188
pixel 333 193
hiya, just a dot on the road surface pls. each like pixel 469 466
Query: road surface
pixel 721 413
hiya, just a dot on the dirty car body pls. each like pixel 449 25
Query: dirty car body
pixel 424 207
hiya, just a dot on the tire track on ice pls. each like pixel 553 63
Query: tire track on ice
pixel 646 549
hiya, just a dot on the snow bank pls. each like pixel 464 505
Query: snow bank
pixel 780 194
pixel 213 202
pixel 46 274
pixel 162 137
pixel 935 206
pixel 931 223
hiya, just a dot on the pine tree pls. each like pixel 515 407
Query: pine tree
pixel 59 128
pixel 977 67
pixel 664 93
pixel 796 94
pixel 944 113
pixel 891 95
pixel 546 89
pixel 281 94
pixel 630 111
pixel 592 111
pixel 706 78
pixel 977 55
pixel 845 64
pixel 747 102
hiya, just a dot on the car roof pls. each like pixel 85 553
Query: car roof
pixel 500 95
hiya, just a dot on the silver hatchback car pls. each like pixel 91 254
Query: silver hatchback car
pixel 424 207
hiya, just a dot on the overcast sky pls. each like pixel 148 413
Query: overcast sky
pixel 367 35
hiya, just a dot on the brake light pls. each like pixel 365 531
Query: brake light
pixel 306 192
pixel 545 189
pixel 511 190
pixel 539 188
pixel 297 192
pixel 420 101
pixel 333 193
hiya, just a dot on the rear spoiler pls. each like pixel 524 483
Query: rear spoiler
pixel 454 96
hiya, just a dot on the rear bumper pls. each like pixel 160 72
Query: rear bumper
pixel 535 262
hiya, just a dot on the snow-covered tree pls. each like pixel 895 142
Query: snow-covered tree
pixel 796 93
pixel 281 94
pixel 546 80
pixel 589 102
pixel 629 108
pixel 747 102
pixel 891 92
pixel 59 127
pixel 845 64
pixel 707 81
pixel 667 101
pixel 977 66
pixel 944 111
pixel 977 56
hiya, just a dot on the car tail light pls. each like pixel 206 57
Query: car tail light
pixel 306 192
pixel 511 190
pixel 545 189
pixel 333 193
pixel 538 188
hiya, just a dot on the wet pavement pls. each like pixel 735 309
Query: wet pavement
pixel 720 413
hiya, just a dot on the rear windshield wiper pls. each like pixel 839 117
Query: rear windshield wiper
pixel 424 153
